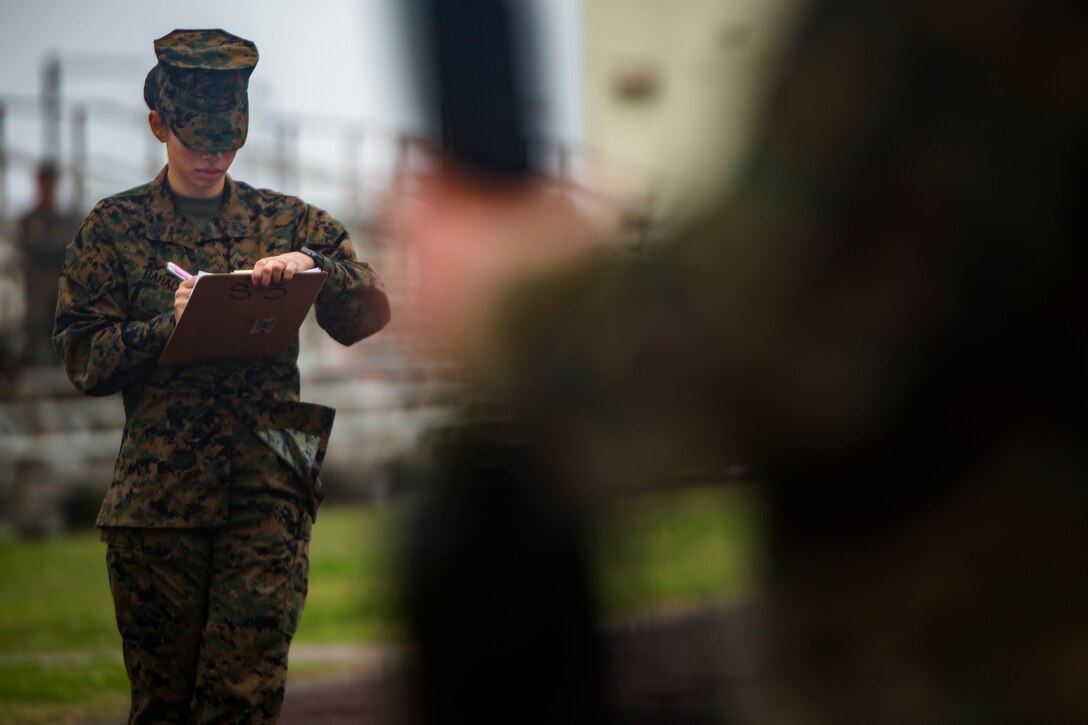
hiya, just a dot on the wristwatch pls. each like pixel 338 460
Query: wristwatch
pixel 319 261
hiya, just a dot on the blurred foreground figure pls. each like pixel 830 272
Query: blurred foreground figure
pixel 886 316
pixel 498 595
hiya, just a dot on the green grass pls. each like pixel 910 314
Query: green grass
pixel 664 550
pixel 351 595
pixel 653 552
pixel 55 596
pixel 59 683
pixel 63 689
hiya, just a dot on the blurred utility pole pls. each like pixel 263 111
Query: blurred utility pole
pixel 51 108
pixel 3 164
pixel 79 157
pixel 286 156
pixel 353 186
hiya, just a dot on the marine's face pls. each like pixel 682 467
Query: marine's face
pixel 198 174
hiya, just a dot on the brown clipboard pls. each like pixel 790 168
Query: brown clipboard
pixel 227 318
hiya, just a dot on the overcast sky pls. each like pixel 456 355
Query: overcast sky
pixel 325 58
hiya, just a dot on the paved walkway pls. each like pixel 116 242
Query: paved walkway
pixel 358 685
pixel 356 657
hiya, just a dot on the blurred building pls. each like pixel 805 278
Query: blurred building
pixel 670 89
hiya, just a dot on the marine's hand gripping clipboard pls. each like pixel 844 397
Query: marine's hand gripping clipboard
pixel 227 318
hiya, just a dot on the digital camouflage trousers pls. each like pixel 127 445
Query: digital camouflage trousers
pixel 206 616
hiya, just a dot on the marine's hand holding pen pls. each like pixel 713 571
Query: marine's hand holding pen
pixel 181 296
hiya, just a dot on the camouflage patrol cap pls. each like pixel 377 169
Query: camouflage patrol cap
pixel 200 87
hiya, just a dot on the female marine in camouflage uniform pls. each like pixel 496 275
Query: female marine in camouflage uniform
pixel 208 517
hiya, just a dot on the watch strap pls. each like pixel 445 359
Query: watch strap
pixel 319 261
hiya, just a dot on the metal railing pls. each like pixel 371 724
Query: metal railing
pixel 343 165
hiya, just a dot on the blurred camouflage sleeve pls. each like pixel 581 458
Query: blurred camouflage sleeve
pixel 102 349
pixel 352 304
